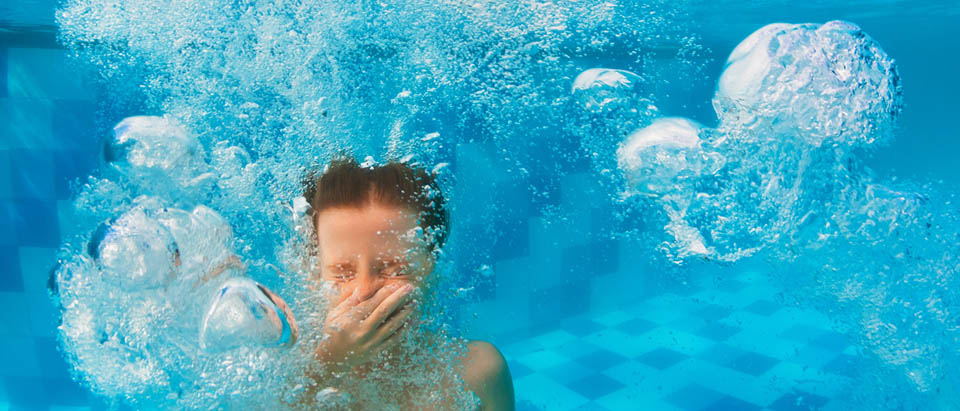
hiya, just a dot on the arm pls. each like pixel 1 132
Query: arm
pixel 487 375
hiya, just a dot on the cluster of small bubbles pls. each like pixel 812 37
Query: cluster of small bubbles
pixel 780 176
pixel 259 93
pixel 156 296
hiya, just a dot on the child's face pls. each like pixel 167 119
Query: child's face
pixel 363 249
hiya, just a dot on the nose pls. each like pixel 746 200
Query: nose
pixel 367 286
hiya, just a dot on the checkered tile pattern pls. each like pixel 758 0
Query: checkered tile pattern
pixel 46 141
pixel 732 347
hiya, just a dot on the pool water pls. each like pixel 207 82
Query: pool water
pixel 587 318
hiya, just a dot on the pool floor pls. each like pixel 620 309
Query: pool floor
pixel 726 347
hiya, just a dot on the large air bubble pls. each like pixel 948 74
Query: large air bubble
pixel 158 156
pixel 826 84
pixel 600 90
pixel 137 252
pixel 243 313
pixel 663 157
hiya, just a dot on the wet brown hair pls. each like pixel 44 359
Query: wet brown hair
pixel 345 183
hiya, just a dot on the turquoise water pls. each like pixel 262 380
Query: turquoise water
pixel 593 302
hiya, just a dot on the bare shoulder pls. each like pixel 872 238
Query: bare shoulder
pixel 486 374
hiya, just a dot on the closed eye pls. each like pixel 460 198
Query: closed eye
pixel 341 272
pixel 398 269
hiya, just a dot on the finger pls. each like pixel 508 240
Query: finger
pixel 346 303
pixel 390 339
pixel 395 322
pixel 363 309
pixel 388 306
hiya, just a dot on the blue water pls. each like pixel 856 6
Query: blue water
pixel 593 303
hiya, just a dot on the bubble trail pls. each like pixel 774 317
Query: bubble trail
pixel 798 104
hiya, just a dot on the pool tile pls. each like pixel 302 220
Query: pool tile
pixel 31 124
pixel 32 174
pixel 26 392
pixel 798 401
pixel 521 348
pixel 35 222
pixel 65 391
pixel 10 278
pixel 729 381
pixel 721 354
pixel 759 341
pixel 601 360
pixel 6 175
pixel 35 266
pixel 753 363
pixel 634 399
pixel 545 393
pixel 3 73
pixel 44 316
pixel 525 405
pixel 813 356
pixel 677 340
pixel 662 358
pixel 19 358
pixel 554 339
pixel 728 403
pixel 689 323
pixel 713 312
pixel 576 349
pixel 631 372
pixel 12 322
pixel 636 326
pixel 843 364
pixel 613 318
pixel 592 406
pixel 802 332
pixel 831 341
pixel 40 73
pixel 788 376
pixel 518 370
pixel 717 331
pixel 694 397
pixel 595 386
pixel 616 341
pixel 581 326
pixel 550 304
pixel 541 360
pixel 568 372
pixel 70 166
pixel 74 125
pixel 763 307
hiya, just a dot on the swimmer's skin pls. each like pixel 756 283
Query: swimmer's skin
pixel 487 375
pixel 377 267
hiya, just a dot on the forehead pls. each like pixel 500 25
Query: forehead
pixel 343 228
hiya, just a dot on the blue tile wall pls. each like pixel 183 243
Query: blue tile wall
pixel 47 135
pixel 32 174
pixel 10 276
pixel 3 72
